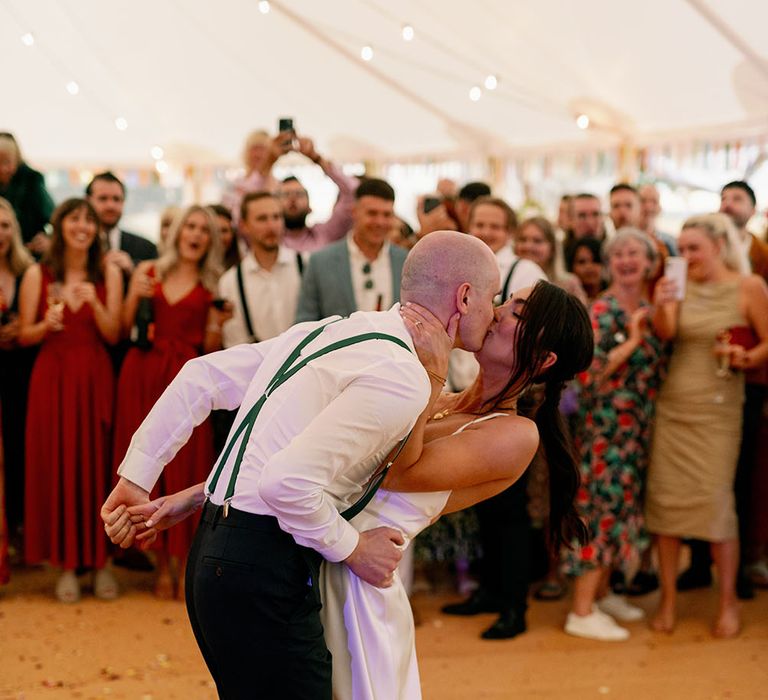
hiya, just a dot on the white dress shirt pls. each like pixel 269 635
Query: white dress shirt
pixel 463 367
pixel 113 237
pixel 379 296
pixel 319 436
pixel 272 296
pixel 526 273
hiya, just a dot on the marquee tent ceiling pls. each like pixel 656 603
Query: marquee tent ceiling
pixel 194 76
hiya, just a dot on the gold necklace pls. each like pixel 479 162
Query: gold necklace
pixel 450 411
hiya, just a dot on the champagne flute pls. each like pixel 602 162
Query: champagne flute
pixel 723 341
pixel 55 299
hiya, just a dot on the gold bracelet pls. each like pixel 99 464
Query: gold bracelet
pixel 436 376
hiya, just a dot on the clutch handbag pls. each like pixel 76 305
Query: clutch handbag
pixel 744 336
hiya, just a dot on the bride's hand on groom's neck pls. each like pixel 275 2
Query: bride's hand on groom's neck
pixel 433 342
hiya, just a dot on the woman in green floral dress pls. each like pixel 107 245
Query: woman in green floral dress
pixel 616 407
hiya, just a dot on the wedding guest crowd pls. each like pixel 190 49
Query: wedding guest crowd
pixel 96 321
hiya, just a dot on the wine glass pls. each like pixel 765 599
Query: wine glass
pixel 722 351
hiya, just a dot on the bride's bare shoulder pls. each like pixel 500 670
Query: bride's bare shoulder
pixel 511 430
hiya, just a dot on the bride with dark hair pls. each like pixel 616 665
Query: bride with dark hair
pixel 465 448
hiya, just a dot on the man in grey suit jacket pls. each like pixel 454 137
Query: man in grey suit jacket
pixel 361 272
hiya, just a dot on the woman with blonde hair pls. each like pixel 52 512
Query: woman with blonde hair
pixel 260 152
pixel 70 306
pixel 719 323
pixel 169 312
pixel 15 368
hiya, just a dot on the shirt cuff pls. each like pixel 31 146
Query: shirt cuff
pixel 139 469
pixel 344 546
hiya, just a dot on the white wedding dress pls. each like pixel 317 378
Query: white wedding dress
pixel 370 630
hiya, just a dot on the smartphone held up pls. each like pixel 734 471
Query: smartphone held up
pixel 287 132
pixel 676 269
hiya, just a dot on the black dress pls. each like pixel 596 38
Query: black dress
pixel 15 370
pixel 30 200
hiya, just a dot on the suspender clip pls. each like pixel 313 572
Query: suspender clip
pixel 226 509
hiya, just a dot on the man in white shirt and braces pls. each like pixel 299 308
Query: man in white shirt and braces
pixel 264 287
pixel 276 496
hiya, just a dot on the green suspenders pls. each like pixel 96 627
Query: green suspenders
pixel 286 371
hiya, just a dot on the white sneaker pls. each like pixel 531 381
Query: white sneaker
pixel 596 625
pixel 617 606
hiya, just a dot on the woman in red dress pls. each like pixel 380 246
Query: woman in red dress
pixel 180 286
pixel 70 306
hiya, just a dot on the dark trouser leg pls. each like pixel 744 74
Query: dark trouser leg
pixel 505 536
pixel 744 482
pixel 753 408
pixel 255 608
pixel 193 566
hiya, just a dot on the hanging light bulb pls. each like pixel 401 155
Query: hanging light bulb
pixel 161 166
pixel 408 32
pixel 264 7
pixel 157 152
pixel 582 121
pixel 475 93
pixel 27 39
pixel 366 53
pixel 73 88
pixel 491 82
pixel 121 123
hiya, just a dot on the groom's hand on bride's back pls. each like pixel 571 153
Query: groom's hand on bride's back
pixel 376 556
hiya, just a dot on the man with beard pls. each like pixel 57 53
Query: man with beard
pixel 737 199
pixel 295 202
pixel 107 195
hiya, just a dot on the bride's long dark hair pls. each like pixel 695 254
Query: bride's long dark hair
pixel 553 321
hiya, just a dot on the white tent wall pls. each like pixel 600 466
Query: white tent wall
pixel 660 81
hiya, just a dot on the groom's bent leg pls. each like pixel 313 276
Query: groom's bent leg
pixel 256 601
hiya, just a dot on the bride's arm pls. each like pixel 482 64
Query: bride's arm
pixel 498 450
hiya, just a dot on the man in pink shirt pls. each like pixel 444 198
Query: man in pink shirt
pixel 260 155
pixel 296 207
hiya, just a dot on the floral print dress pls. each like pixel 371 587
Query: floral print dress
pixel 612 442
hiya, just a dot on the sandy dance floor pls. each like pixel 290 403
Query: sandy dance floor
pixel 141 648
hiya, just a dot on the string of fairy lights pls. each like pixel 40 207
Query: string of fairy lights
pixel 485 81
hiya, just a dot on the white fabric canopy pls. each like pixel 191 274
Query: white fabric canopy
pixel 195 76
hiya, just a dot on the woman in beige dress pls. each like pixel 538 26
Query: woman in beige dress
pixel 698 423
